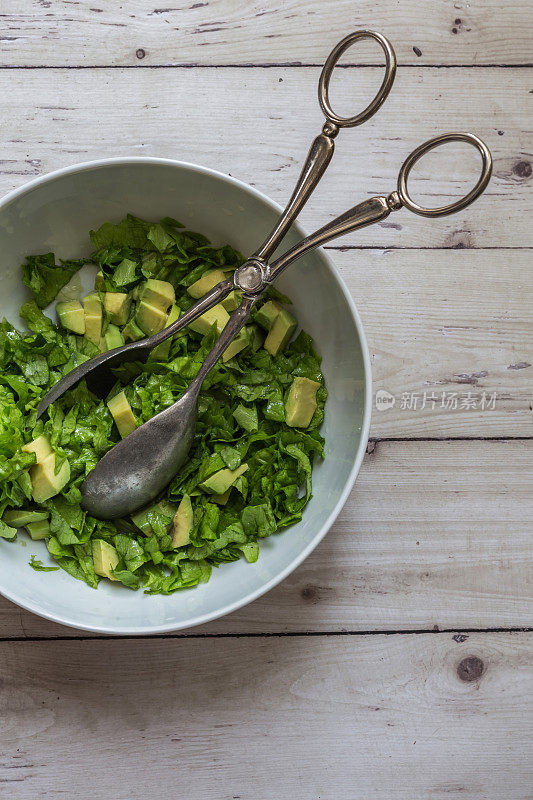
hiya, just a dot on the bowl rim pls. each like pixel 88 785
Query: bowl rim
pixel 201 619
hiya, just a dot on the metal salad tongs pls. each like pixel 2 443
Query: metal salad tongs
pixel 137 469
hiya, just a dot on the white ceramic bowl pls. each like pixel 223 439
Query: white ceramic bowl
pixel 55 213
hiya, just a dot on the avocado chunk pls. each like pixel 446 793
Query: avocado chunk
pixel 237 345
pixel 246 417
pixel 280 332
pixel 221 499
pixel 256 338
pixel 39 530
pixel 122 414
pixel 157 293
pixel 207 282
pixel 300 404
pixel 18 518
pixel 105 559
pixel 267 314
pixel 113 337
pixel 150 319
pixel 40 446
pixel 117 305
pixel 93 317
pixel 132 332
pixel 161 352
pixel 44 480
pixel 215 316
pixel 99 282
pixel 71 315
pixel 221 481
pixel 182 524
pixel 232 301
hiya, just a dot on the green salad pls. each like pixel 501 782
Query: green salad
pixel 248 474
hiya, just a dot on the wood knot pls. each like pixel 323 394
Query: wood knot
pixel 459 239
pixel 470 669
pixel 522 169
pixel 140 53
pixel 310 593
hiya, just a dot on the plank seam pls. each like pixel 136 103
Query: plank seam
pixel 269 635
pixel 406 440
pixel 277 65
pixel 347 247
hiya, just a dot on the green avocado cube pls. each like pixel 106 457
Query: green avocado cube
pixel 267 314
pixel 122 414
pixel 117 306
pixel 113 337
pixel 18 518
pixel 161 352
pixel 39 529
pixel 207 282
pixel 214 316
pixel 105 558
pixel 281 331
pixel 45 482
pixel 232 301
pixel 40 446
pixel 183 523
pixel 221 499
pixel 159 294
pixel 71 316
pixel 256 337
pixel 300 404
pixel 221 481
pixel 93 318
pixel 132 332
pixel 99 282
pixel 150 319
pixel 237 345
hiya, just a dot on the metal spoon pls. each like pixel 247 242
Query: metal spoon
pixel 135 470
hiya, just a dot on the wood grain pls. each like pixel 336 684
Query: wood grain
pixel 69 32
pixel 433 534
pixel 447 329
pixel 421 716
pixel 52 118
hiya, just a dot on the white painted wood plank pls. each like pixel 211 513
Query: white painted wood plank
pixel 433 534
pixel 449 333
pixel 301 717
pixel 225 31
pixel 257 125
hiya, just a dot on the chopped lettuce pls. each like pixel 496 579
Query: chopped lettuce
pixel 241 419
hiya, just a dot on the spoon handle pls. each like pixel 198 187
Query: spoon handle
pixel 378 208
pixel 236 322
pixel 318 158
pixel 322 148
pixel 366 213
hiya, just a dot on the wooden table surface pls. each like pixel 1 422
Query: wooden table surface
pixel 394 662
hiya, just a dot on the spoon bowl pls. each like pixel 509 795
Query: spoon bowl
pixel 152 455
